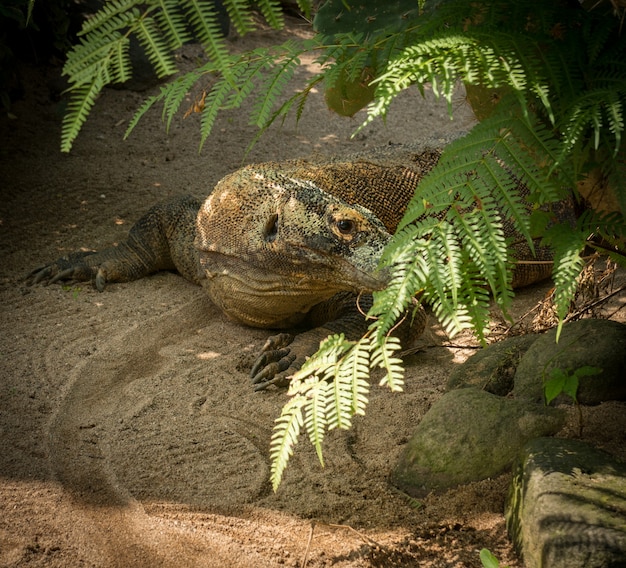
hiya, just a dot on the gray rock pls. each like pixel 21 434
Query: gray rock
pixel 492 369
pixel 590 342
pixel 567 506
pixel 469 435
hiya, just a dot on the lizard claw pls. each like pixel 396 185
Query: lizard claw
pixel 279 380
pixel 39 274
pixel 275 359
pixel 70 267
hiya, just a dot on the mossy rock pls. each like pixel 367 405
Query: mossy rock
pixel 493 368
pixel 565 507
pixel 469 435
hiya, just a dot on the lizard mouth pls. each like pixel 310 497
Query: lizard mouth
pixel 365 281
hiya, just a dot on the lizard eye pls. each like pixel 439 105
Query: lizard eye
pixel 271 228
pixel 346 226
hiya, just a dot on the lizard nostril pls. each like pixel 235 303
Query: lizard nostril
pixel 271 228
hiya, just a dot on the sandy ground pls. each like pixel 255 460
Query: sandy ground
pixel 129 432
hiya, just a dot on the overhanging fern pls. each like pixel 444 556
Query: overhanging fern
pixel 161 26
pixel 502 177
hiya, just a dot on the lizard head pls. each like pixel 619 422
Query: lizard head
pixel 272 247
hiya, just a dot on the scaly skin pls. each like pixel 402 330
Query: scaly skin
pixel 286 245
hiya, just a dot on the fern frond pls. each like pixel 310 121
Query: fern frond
pixel 285 437
pixel 175 93
pixel 86 59
pixel 120 62
pixel 340 405
pixel 383 357
pixel 205 23
pixel 311 404
pixel 298 99
pixel 213 103
pixel 614 107
pixel 451 314
pixel 315 411
pixel 240 15
pixel 324 361
pixel 456 223
pixel 568 264
pixel 350 375
pixel 122 23
pixel 172 23
pixel 272 12
pixel 273 85
pixel 482 236
pixel 153 42
pixel 81 101
pixel 248 73
pixel 477 302
pixel 111 12
pixel 306 7
pixel 145 107
pixel 408 277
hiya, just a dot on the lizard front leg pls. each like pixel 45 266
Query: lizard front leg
pixel 161 240
pixel 283 354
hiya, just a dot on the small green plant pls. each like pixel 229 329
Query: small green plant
pixel 566 382
pixel 488 560
pixel 75 290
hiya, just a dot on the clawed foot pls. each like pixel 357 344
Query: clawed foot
pixel 70 267
pixel 272 366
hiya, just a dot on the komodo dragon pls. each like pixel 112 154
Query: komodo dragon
pixel 287 245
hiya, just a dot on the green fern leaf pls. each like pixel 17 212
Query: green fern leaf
pixel 339 413
pixel 272 12
pixel 315 413
pixel 145 107
pixel 87 59
pixel 306 7
pixel 323 363
pixel 120 61
pixel 246 74
pixel 175 93
pixel 310 390
pixel 382 357
pixel 451 314
pixel 615 117
pixel 568 264
pixel 123 24
pixel 240 15
pixel 567 243
pixel 213 103
pixel 81 101
pixel 408 277
pixel 204 20
pixel 476 303
pixel 285 437
pixel 172 23
pixel 273 85
pixel 351 373
pixel 451 260
pixel 111 11
pixel 153 42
